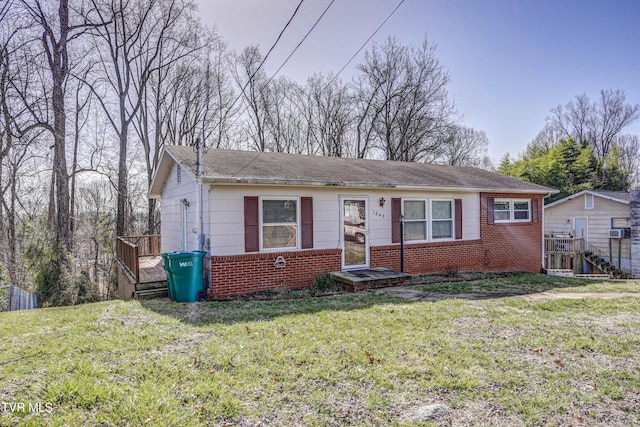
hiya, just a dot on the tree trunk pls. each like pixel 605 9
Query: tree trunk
pixel 121 212
pixel 63 235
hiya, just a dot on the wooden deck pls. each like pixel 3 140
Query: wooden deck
pixel 141 271
pixel 152 270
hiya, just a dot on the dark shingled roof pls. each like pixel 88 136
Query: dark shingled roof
pixel 234 166
pixel 620 195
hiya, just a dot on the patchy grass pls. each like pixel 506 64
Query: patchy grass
pixel 518 283
pixel 362 359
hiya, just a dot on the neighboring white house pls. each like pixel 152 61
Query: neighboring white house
pixel 272 220
pixel 603 218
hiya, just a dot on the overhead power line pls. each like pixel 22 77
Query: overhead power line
pixel 288 57
pixel 365 43
pixel 302 41
pixel 295 12
pixel 278 39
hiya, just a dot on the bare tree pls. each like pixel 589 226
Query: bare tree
pixel 404 107
pixel 130 38
pixel 82 98
pixel 255 92
pixel 16 130
pixel 545 140
pixel 173 101
pixel 629 148
pixel 329 115
pixel 595 123
pixel 58 32
pixel 466 147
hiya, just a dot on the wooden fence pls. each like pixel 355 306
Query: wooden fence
pixel 14 298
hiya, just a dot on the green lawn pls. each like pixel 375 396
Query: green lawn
pixel 362 359
pixel 517 283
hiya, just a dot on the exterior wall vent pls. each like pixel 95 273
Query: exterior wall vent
pixel 588 201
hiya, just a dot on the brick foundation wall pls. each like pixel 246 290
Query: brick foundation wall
pixel 241 274
pixel 426 258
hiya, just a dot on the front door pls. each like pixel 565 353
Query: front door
pixel 581 225
pixel 355 233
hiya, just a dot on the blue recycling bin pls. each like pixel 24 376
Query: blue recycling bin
pixel 186 271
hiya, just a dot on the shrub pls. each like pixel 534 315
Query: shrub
pixel 451 271
pixel 50 268
pixel 324 281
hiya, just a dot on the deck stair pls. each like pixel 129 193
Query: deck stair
pixel 149 290
pixel 597 258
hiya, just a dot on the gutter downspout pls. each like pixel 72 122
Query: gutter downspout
pixel 543 254
pixel 199 155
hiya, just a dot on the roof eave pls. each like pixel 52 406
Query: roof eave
pixel 580 193
pixel 311 183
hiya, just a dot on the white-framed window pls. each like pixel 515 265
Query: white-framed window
pixel 279 223
pixel 588 201
pixel 441 219
pixel 512 210
pixel 621 223
pixel 428 219
pixel 415 220
pixel 502 210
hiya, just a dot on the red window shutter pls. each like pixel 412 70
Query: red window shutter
pixel 458 219
pixel 306 220
pixel 251 225
pixel 490 219
pixel 396 210
pixel 534 209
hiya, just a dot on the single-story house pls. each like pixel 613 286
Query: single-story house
pixel 274 220
pixel 602 218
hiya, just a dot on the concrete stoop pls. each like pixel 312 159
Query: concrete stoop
pixel 370 278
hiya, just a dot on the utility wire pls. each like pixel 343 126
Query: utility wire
pixel 279 37
pixel 365 43
pixel 301 41
pixel 265 57
pixel 288 57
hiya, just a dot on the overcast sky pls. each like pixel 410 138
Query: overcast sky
pixel 510 61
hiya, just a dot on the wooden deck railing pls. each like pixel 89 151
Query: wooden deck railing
pixel 564 245
pixel 564 253
pixel 148 245
pixel 129 249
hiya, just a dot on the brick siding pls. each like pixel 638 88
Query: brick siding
pixel 424 258
pixel 241 274
pixel 513 246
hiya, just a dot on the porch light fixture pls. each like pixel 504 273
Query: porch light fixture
pixel 382 201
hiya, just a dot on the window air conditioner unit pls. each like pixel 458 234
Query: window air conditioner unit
pixel 616 234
